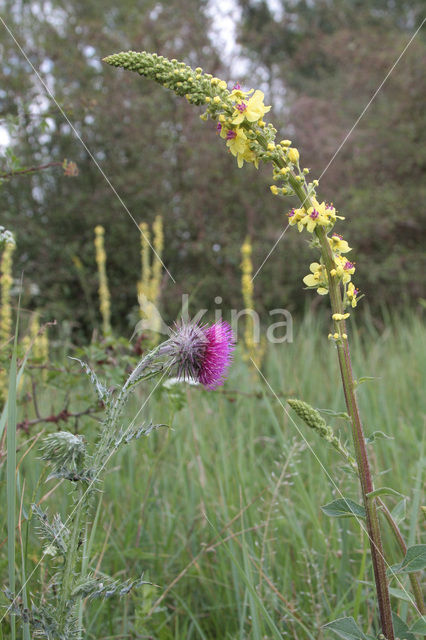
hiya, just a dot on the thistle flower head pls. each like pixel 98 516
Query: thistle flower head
pixel 202 352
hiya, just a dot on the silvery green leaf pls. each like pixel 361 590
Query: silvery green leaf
pixel 101 390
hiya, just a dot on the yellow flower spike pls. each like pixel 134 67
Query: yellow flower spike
pixel 293 155
pixel 253 349
pixel 271 146
pixel 222 84
pixel 274 189
pixel 285 171
pixel 285 143
pixel 216 100
pixel 6 281
pixel 262 124
pixel 104 295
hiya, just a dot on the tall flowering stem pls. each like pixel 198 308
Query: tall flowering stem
pixel 239 116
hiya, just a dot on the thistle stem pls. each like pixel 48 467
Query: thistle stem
pixel 70 562
pixel 348 382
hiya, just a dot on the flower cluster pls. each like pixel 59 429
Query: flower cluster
pixel 239 116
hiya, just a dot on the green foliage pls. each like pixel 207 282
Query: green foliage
pixel 414 560
pixel 235 465
pixel 343 508
pixel 346 628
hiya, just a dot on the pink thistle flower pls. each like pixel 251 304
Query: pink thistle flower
pixel 201 352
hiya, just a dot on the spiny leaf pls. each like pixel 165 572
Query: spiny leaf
pixel 101 390
pixel 342 508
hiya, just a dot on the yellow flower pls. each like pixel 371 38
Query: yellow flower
pixel 344 268
pixel 340 316
pixel 295 216
pixel 338 245
pixel 237 142
pixel 318 278
pixel 315 216
pixel 251 110
pixel 293 155
pixel 351 294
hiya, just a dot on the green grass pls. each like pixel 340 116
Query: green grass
pixel 222 513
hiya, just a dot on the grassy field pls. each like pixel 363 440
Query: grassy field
pixel 222 512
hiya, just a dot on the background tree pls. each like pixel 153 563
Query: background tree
pixel 319 64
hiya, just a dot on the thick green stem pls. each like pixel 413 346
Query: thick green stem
pixel 372 520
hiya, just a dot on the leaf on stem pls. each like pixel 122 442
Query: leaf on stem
pixel 346 628
pixel 419 626
pixel 384 491
pixel 415 560
pixel 402 632
pixel 376 435
pixel 343 508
